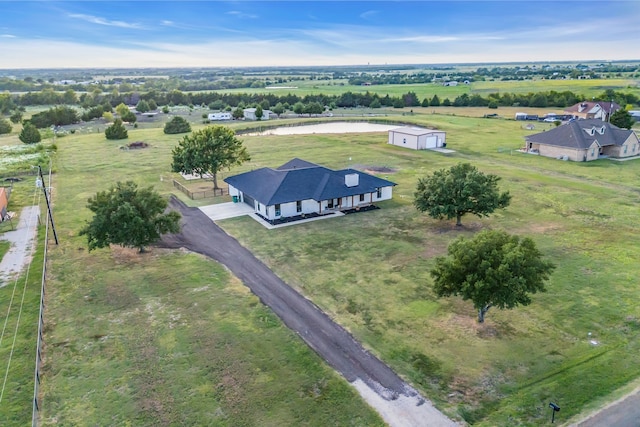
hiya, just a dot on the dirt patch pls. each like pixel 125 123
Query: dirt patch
pixel 433 250
pixel 373 170
pixel 136 145
pixel 544 228
pixel 122 255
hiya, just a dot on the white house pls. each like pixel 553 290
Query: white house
pixel 222 115
pixel 300 188
pixel 450 83
pixel 417 138
pixel 250 114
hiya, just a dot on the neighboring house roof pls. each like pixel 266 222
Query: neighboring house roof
pixel 581 134
pixel 414 131
pixel 302 180
pixel 593 107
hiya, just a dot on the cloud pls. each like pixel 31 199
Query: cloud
pixel 102 21
pixel 369 14
pixel 167 23
pixel 7 36
pixel 242 15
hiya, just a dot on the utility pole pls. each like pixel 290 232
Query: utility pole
pixel 46 197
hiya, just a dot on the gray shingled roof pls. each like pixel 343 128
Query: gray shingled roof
pixel 585 106
pixel 302 180
pixel 577 134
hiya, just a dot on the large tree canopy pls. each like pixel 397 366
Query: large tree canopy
pixel 457 191
pixel 127 216
pixel 623 119
pixel 208 151
pixel 493 269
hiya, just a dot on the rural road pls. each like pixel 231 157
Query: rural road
pixel 621 413
pixel 398 403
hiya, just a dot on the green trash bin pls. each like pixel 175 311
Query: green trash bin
pixel 235 199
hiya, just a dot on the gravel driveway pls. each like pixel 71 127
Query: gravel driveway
pixel 22 244
pixel 398 403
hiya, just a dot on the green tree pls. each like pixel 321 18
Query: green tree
pixel 298 108
pixel 30 134
pixel 152 105
pixel 122 109
pixel 623 119
pixel 435 101
pixel 116 130
pixel 208 151
pixel 143 106
pixel 177 125
pixel 278 109
pixel 16 117
pixel 107 116
pixel 5 126
pixel 129 117
pixel 128 216
pixel 457 191
pixel 238 113
pixel 165 109
pixel 259 112
pixel 492 269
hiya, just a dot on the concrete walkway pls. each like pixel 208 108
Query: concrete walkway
pixel 22 241
pixel 233 210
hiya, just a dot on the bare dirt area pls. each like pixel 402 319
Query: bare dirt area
pixel 397 402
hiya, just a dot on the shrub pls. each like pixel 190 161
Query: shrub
pixel 30 134
pixel 116 130
pixel 177 125
pixel 5 126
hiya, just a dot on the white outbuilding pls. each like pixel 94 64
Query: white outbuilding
pixel 250 114
pixel 417 138
pixel 222 115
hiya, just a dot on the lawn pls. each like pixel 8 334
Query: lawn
pixel 167 337
pixel 504 372
pixel 140 338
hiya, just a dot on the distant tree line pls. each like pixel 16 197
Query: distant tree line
pixel 96 104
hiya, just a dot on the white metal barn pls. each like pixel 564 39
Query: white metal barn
pixel 417 138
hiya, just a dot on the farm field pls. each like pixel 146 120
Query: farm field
pixel 141 338
pixel 588 88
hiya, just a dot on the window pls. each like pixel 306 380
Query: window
pixel 278 209
pixel 330 204
pixel 634 148
pixel 362 195
pixel 259 207
pixel 379 193
pixel 625 149
pixel 593 152
pixel 299 206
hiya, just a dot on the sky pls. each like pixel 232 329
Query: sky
pixel 154 34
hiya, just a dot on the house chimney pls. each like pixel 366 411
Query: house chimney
pixel 351 180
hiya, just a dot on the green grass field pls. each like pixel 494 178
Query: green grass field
pixel 588 88
pixel 168 337
pixel 165 338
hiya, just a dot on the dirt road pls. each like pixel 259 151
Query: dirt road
pixel 398 403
